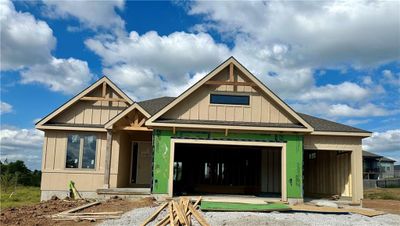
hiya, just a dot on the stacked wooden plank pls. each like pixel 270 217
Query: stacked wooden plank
pixel 180 212
pixel 73 215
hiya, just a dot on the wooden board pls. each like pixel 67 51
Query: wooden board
pixel 318 209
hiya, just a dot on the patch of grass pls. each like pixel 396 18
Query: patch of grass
pixel 24 195
pixel 382 193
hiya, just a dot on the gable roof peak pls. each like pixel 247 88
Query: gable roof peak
pixel 83 93
pixel 254 80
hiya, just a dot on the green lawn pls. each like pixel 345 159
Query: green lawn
pixel 382 193
pixel 21 197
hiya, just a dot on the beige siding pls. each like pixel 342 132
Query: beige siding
pixel 197 106
pixel 56 177
pixel 328 174
pixel 91 112
pixel 342 143
pixel 84 181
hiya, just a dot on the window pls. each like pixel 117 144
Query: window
pixel 81 151
pixel 230 99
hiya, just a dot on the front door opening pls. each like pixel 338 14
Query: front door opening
pixel 227 169
pixel 140 164
pixel 134 162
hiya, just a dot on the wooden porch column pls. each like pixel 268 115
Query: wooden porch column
pixel 107 163
pixel 356 175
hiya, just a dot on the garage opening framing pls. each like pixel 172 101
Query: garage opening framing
pixel 232 143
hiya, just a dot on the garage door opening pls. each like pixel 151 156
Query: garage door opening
pixel 201 169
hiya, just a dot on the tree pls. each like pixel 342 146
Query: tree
pixel 17 173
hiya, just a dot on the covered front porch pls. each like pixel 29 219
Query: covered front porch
pixel 128 159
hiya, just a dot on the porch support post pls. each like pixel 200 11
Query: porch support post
pixel 356 175
pixel 107 163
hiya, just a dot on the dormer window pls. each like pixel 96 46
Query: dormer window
pixel 229 99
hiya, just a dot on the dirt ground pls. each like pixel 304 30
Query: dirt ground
pixel 36 214
pixel 388 206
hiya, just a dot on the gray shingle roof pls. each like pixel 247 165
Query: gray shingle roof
pixel 367 154
pixel 385 159
pixel 324 125
pixel 152 106
pixel 370 154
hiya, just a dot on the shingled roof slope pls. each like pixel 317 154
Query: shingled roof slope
pixel 324 125
pixel 152 106
pixel 370 155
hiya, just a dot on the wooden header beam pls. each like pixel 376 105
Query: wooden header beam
pixel 133 128
pixel 231 83
pixel 104 99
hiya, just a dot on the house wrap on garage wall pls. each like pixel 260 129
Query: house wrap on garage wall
pixel 228 133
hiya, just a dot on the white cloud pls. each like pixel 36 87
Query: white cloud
pixel 385 143
pixel 342 110
pixel 25 41
pixel 363 111
pixel 330 33
pixel 391 78
pixel 151 65
pixel 91 14
pixel 346 91
pixel 22 144
pixel 357 121
pixel 26 46
pixel 61 75
pixel 5 108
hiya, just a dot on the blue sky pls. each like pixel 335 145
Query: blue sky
pixel 336 60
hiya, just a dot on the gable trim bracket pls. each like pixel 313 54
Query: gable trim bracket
pixel 110 124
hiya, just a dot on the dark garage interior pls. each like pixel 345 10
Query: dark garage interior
pixel 226 169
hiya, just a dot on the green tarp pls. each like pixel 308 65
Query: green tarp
pixel 243 207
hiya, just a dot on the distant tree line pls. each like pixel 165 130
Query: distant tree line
pixel 16 173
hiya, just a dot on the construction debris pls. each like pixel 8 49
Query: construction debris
pixel 73 191
pixel 179 213
pixel 326 209
pixel 325 203
pixel 73 215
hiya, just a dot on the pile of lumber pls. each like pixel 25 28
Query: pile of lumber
pixel 180 212
pixel 73 215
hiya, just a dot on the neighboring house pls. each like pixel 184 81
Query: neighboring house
pixel 397 171
pixel 387 167
pixel 227 134
pixel 377 166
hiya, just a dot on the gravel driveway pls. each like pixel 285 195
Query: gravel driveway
pixel 137 216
